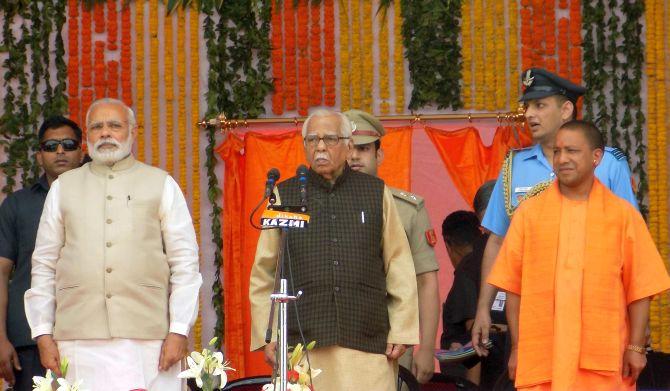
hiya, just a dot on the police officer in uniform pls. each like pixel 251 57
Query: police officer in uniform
pixel 550 102
pixel 366 157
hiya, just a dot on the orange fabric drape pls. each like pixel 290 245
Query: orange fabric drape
pixel 247 159
pixel 469 162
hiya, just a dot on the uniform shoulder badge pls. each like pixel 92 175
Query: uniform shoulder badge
pixel 618 154
pixel 431 237
pixel 407 196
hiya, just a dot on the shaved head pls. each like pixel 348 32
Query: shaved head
pixel 589 130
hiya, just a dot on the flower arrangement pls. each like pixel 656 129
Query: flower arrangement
pixel 299 375
pixel 45 383
pixel 207 368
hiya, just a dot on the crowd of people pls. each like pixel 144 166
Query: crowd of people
pixel 553 270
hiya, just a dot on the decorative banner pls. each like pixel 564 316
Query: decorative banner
pixel 243 189
pixel 469 162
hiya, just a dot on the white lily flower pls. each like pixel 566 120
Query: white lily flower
pixel 43 383
pixel 194 370
pixel 63 385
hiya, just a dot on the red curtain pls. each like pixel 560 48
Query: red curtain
pixel 247 160
pixel 469 162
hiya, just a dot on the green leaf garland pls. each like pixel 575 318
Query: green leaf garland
pixel 431 32
pixel 613 60
pixel 30 95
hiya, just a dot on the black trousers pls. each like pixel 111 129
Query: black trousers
pixel 29 357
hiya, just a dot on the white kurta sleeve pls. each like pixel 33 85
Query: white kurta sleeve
pixel 181 248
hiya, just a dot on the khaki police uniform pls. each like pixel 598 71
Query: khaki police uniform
pixel 413 215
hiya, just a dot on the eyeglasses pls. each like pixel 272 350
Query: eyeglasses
pixel 330 140
pixel 52 145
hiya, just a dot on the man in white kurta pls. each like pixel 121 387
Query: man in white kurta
pixel 115 275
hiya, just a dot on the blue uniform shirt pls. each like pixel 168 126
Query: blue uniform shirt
pixel 530 167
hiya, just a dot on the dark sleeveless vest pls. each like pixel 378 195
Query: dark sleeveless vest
pixel 337 263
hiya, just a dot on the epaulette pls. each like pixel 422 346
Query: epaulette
pixel 407 196
pixel 522 149
pixel 618 154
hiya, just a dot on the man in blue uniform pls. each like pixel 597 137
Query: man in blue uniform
pixel 550 102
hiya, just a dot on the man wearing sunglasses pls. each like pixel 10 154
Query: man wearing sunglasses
pixel 59 151
pixel 115 275
pixel 351 263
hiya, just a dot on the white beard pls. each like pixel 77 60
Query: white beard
pixel 107 156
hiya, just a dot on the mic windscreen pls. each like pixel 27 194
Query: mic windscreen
pixel 301 171
pixel 273 174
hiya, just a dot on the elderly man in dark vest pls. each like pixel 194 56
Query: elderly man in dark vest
pixel 352 263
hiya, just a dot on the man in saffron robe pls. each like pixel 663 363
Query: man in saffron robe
pixel 580 269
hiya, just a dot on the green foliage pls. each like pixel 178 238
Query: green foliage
pixel 431 31
pixel 238 52
pixel 30 94
pixel 613 59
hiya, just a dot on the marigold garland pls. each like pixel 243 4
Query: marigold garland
pixel 563 54
pixel 356 55
pixel 182 124
pixel 139 77
pixel 575 32
pixel 488 61
pixel 398 59
pixel 550 35
pixel 153 77
pixel 86 63
pixel 99 17
pixel 466 54
pixel 126 57
pixel 316 81
pixel 303 57
pixel 194 19
pixel 526 40
pixel 168 64
pixel 659 317
pixel 538 33
pixel 501 87
pixel 481 71
pixel 661 184
pixel 73 61
pixel 113 79
pixel 329 53
pixel 277 55
pixel 513 45
pixel 368 74
pixel 112 25
pixel 384 92
pixel 99 67
pixel 345 59
pixel 655 311
pixel 291 78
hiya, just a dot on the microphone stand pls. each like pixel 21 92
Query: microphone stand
pixel 280 295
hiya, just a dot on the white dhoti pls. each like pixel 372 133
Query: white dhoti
pixel 348 369
pixel 118 365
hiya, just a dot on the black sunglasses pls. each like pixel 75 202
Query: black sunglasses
pixel 52 145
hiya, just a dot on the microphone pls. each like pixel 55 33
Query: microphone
pixel 273 177
pixel 301 172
